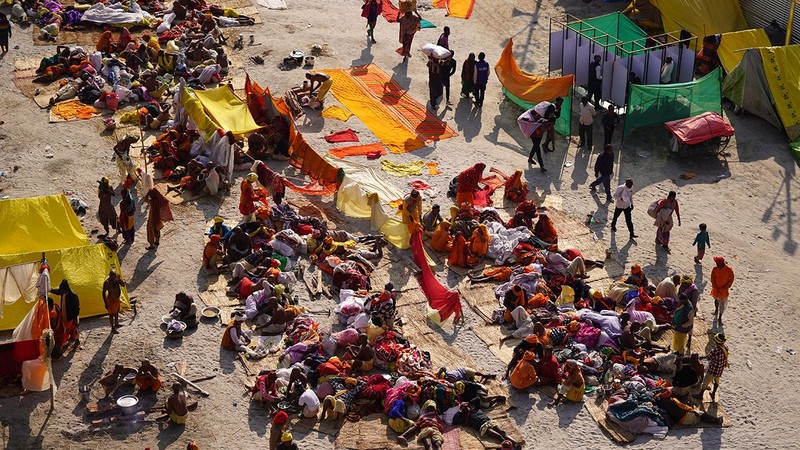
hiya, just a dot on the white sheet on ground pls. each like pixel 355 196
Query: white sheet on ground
pixel 272 4
pixel 115 14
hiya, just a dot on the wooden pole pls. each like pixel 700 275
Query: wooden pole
pixel 792 7
pixel 50 373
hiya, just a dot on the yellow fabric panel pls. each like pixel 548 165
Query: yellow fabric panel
pixel 37 224
pixel 782 70
pixel 701 18
pixel 363 194
pixel 85 267
pixel 384 125
pixel 226 109
pixel 336 112
pixel 525 86
pixel 197 113
pixel 739 40
pixel 402 169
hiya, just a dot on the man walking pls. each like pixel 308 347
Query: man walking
pixel 610 121
pixel 623 198
pixel 480 78
pixel 596 80
pixel 603 169
pixel 721 282
pixel 551 115
pixel 585 131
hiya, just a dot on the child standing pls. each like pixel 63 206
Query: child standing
pixel 701 241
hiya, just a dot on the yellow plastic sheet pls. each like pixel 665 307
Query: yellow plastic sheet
pixel 363 194
pixel 525 86
pixel 402 169
pixel 384 125
pixel 38 224
pixel 85 267
pixel 336 112
pixel 701 18
pixel 740 40
pixel 227 110
pixel 782 70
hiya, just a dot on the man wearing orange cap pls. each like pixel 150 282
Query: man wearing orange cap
pixel 721 282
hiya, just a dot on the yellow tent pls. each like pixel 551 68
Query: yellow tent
pixel 701 18
pixel 211 109
pixel 39 224
pixel 85 267
pixel 48 224
pixel 731 47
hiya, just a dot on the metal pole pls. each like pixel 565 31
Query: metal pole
pixel 791 22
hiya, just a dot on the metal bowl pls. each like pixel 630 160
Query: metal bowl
pixel 128 404
pixel 210 312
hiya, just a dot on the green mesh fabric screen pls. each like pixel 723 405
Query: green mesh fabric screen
pixel 564 122
pixel 618 29
pixel 654 105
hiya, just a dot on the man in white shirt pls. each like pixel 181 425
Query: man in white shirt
pixel 666 70
pixel 310 403
pixel 585 131
pixel 623 198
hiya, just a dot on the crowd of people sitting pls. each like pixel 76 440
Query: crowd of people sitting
pixel 368 365
pixel 573 336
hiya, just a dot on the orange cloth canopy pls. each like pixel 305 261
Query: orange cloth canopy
pixel 528 87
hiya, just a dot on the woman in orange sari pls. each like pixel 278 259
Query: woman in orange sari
pixel 459 255
pixel 479 242
pixel 545 230
pixel 104 44
pixel 441 241
pixel 516 189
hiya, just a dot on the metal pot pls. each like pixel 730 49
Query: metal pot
pixel 128 404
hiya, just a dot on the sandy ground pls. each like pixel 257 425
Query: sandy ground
pixel 750 216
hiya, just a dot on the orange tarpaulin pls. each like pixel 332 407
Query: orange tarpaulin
pixel 525 86
pixel 460 9
pixel 358 150
pixel 398 100
pixel 74 109
pixel 257 103
pixel 392 130
pixel 311 163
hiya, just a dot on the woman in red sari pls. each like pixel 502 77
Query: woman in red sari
pixel 468 183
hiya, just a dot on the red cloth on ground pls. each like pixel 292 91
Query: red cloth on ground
pixel 440 298
pixel 419 185
pixel 347 135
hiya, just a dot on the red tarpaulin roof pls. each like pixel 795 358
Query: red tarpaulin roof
pixel 700 128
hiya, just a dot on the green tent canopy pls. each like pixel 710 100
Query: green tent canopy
pixel 612 29
pixel 656 104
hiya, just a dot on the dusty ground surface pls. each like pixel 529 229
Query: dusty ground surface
pixel 751 215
